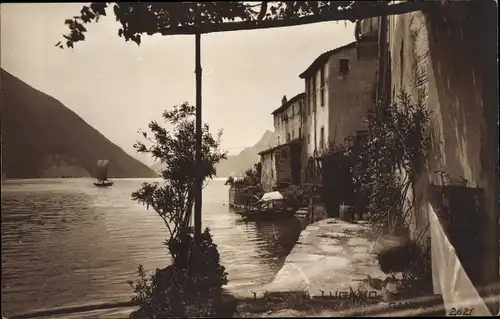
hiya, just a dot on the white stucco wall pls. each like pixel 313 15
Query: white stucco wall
pixel 292 126
pixel 319 118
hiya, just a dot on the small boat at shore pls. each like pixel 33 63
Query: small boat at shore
pixel 270 207
pixel 102 174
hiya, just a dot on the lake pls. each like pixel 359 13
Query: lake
pixel 67 243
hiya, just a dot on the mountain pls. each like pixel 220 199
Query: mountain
pixel 43 138
pixel 236 165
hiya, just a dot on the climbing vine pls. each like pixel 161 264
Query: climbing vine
pixel 387 162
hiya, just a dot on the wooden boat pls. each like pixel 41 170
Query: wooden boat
pixel 270 207
pixel 102 174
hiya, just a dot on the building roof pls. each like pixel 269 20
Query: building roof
pixel 289 102
pixel 294 141
pixel 323 58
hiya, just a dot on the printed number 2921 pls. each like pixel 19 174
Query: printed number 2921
pixel 461 312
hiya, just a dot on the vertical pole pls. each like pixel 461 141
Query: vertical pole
pixel 198 191
pixel 313 197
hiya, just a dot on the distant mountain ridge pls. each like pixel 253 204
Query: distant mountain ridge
pixel 236 165
pixel 43 138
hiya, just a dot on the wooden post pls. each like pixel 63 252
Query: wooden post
pixel 198 184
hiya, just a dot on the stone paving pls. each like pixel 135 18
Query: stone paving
pixel 330 256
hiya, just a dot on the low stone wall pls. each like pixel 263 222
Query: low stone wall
pixel 239 196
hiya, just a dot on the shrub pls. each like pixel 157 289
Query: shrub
pixel 230 181
pixel 389 160
pixel 189 287
pixel 296 196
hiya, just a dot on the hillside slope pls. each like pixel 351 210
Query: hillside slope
pixel 236 165
pixel 43 138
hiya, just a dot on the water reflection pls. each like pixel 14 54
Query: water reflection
pixel 66 242
pixel 275 239
pixel 278 238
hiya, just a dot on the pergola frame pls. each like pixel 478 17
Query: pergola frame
pixel 351 13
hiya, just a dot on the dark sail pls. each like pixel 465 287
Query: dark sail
pixel 102 170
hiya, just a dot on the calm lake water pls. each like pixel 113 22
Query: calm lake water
pixel 67 243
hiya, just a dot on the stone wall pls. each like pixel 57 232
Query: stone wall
pixel 350 95
pixel 240 196
pixel 450 48
pixel 281 165
pixel 268 174
pixel 283 160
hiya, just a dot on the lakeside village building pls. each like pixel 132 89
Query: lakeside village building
pixel 339 90
pixel 391 54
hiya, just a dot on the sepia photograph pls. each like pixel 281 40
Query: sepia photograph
pixel 249 159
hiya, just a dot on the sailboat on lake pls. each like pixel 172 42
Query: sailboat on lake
pixel 102 174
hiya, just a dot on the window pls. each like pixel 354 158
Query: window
pixel 284 154
pixel 293 133
pixel 308 138
pixel 314 102
pixel 322 138
pixel 322 95
pixel 322 85
pixel 322 74
pixel 300 108
pixel 287 137
pixel 278 140
pixel 300 132
pixel 344 66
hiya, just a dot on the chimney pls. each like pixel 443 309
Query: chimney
pixel 283 100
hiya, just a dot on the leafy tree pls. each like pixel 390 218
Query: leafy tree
pixel 184 288
pixel 137 18
pixel 229 181
pixel 174 199
pixel 252 175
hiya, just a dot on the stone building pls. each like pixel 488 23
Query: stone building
pixel 339 86
pixel 281 164
pixel 447 57
pixel 288 119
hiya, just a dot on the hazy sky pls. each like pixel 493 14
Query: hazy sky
pixel 119 87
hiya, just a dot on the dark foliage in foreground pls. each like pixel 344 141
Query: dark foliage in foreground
pixel 190 287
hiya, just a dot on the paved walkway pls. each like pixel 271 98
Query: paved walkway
pixel 330 256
